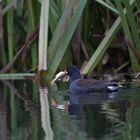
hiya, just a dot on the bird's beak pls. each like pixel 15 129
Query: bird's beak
pixel 65 72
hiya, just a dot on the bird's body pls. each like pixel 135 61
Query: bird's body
pixel 90 85
pixel 79 85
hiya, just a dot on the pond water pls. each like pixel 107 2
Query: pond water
pixel 29 111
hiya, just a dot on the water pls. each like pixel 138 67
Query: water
pixel 31 112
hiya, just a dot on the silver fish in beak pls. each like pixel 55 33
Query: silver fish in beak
pixel 62 75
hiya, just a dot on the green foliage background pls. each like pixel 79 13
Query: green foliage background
pixel 40 35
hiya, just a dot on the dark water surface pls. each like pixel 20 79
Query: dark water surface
pixel 31 112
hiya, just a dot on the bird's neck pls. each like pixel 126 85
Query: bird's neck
pixel 74 78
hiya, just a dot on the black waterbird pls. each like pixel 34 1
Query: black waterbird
pixel 77 84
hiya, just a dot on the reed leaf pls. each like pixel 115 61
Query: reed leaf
pixel 54 15
pixel 124 20
pixel 31 27
pixel 138 4
pixel 61 4
pixel 127 32
pixel 98 54
pixel 131 31
pixel 58 31
pixel 10 31
pixel 107 6
pixel 2 51
pixel 66 37
pixel 132 24
pixel 17 76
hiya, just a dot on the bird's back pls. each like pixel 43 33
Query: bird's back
pixel 90 85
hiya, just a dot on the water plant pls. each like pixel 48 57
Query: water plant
pixel 42 35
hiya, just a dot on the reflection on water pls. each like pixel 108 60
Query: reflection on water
pixel 45 114
pixel 20 111
pixel 30 112
pixel 101 116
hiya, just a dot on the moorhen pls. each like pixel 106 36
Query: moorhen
pixel 77 84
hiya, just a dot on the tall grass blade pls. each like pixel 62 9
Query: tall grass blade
pixel 66 37
pixel 31 26
pixel 138 4
pixel 10 31
pixel 130 29
pixel 17 76
pixel 54 15
pixel 132 24
pixel 98 54
pixel 58 31
pixel 1 29
pixel 2 52
pixel 127 32
pixel 107 6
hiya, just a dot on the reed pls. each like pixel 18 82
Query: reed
pixel 32 18
pixel 101 25
pixel 128 22
pixel 10 31
pixel 43 35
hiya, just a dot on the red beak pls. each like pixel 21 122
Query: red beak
pixel 65 71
